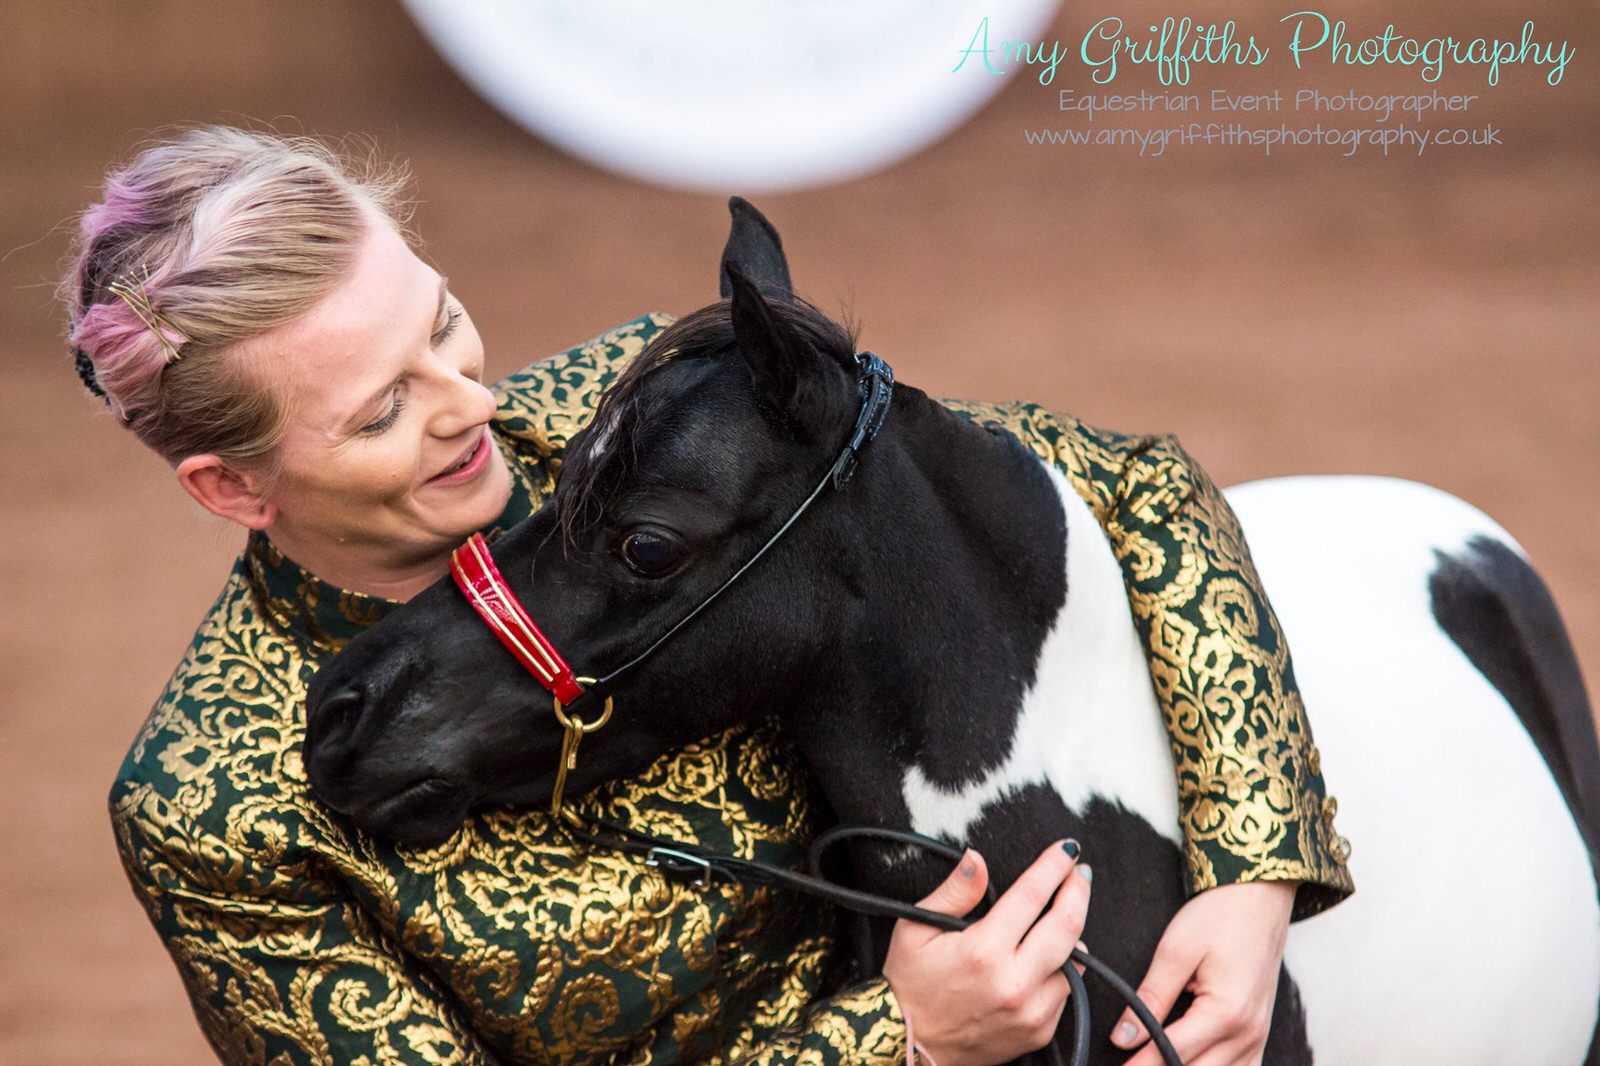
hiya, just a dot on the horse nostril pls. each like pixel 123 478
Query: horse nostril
pixel 332 725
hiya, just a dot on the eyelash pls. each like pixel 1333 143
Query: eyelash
pixel 452 317
pixel 387 420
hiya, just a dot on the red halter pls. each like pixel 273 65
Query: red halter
pixel 487 591
pixel 480 580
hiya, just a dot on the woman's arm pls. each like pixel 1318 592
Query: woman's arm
pixel 1250 790
pixel 1251 801
pixel 1256 822
pixel 276 973
pixel 1256 819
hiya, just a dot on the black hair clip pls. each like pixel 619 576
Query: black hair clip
pixel 85 367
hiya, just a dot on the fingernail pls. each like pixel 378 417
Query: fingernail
pixel 968 867
pixel 1087 871
pixel 1070 846
pixel 1125 1034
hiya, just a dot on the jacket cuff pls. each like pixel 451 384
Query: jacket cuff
pixel 860 1026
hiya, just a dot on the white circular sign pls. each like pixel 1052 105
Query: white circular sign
pixel 731 95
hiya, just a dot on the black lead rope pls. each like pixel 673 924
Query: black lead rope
pixel 688 860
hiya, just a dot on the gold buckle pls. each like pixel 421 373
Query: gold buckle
pixel 575 729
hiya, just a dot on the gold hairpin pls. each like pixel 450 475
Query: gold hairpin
pixel 138 302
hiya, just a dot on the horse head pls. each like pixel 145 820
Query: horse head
pixel 705 441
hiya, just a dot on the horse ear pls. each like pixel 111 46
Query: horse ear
pixel 754 247
pixel 777 356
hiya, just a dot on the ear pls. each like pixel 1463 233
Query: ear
pixel 781 364
pixel 753 246
pixel 225 492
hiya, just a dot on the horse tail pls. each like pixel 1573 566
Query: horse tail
pixel 1496 608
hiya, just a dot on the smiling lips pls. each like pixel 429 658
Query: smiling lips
pixel 468 466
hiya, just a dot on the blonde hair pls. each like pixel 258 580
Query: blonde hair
pixel 223 234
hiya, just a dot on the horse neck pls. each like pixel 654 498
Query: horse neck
pixel 955 540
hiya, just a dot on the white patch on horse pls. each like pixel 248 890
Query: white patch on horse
pixel 602 438
pixel 1089 725
pixel 1474 933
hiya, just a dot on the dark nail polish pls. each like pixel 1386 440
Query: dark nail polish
pixel 1070 846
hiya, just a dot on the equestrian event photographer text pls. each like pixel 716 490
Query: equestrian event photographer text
pixel 1176 44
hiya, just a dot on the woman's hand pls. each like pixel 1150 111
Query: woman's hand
pixel 995 990
pixel 1225 945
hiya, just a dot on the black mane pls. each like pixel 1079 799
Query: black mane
pixel 588 475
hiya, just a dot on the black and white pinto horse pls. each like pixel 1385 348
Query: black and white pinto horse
pixel 950 640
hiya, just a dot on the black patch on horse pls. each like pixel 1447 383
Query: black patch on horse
pixel 1501 616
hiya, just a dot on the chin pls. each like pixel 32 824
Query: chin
pixel 498 478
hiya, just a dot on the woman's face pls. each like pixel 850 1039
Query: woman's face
pixel 387 458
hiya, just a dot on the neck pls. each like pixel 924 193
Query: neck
pixel 362 568
pixel 960 574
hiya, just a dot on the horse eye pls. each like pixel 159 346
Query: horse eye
pixel 648 553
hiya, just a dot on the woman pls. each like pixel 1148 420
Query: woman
pixel 250 309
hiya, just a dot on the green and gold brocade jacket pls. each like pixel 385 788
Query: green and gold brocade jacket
pixel 301 940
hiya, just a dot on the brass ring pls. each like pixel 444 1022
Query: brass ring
pixel 578 724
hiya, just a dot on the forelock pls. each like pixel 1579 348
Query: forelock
pixel 608 451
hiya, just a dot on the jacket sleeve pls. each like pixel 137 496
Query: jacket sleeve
pixel 280 971
pixel 1251 800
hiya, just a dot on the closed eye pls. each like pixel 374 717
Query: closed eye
pixel 452 319
pixel 374 428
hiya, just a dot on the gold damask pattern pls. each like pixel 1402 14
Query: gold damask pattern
pixel 1250 791
pixel 302 941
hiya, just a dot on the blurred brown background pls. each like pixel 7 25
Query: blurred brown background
pixel 1432 318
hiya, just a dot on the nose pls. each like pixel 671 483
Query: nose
pixel 465 405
